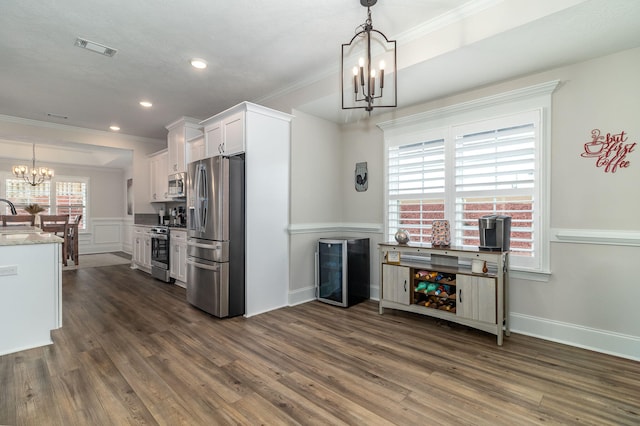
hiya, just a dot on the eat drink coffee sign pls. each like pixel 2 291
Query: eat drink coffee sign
pixel 610 150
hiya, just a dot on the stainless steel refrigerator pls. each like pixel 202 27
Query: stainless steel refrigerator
pixel 216 235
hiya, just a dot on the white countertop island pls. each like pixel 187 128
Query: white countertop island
pixel 30 287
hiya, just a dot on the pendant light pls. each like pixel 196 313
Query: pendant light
pixel 369 69
pixel 33 175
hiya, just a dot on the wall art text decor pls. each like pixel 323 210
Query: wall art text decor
pixel 610 150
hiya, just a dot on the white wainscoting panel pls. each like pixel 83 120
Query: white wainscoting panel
pixel 103 236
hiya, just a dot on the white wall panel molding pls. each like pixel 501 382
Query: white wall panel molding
pixel 105 235
pixel 308 228
pixel 596 236
pixel 608 342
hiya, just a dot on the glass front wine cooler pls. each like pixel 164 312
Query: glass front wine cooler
pixel 342 271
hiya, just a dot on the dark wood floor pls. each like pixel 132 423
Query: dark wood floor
pixel 132 351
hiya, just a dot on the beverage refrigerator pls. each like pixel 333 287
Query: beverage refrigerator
pixel 216 235
pixel 342 271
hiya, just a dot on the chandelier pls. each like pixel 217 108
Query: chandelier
pixel 366 60
pixel 33 175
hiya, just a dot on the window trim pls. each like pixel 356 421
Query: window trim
pixel 404 130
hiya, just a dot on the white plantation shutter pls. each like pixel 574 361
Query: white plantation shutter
pixel 21 194
pixel 71 199
pixel 495 173
pixel 416 182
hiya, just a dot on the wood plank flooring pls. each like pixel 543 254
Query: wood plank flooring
pixel 132 351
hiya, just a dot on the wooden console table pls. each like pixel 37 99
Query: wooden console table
pixel 439 282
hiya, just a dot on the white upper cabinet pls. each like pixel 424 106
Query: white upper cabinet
pixel 180 131
pixel 225 132
pixel 158 177
pixel 196 149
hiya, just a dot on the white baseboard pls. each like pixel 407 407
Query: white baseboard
pixel 617 344
pixel 307 294
pixel 303 295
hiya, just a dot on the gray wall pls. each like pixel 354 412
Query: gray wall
pixel 590 298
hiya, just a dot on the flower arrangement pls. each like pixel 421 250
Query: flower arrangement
pixel 34 209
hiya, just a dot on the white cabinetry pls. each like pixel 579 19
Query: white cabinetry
pixel 396 283
pixel 225 133
pixel 158 177
pixel 439 282
pixel 196 149
pixel 180 131
pixel 142 248
pixel 265 136
pixel 178 256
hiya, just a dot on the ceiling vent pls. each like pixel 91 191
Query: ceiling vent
pixel 95 47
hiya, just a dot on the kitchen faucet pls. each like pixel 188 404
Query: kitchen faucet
pixel 11 206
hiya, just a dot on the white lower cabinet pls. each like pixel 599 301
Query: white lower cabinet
pixel 142 247
pixel 178 255
pixel 396 283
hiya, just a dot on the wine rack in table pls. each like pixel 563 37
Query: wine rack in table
pixel 439 282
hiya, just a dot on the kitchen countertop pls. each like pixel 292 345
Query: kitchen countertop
pixel 21 235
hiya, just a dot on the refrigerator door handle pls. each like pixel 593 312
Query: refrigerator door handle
pixel 204 246
pixel 196 202
pixel 190 261
pixel 201 198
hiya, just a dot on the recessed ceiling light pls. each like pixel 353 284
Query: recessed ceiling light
pixel 198 63
pixel 114 128
pixel 95 47
pixel 146 104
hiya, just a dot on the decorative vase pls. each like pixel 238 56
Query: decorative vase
pixel 402 236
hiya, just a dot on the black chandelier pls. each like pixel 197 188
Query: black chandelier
pixel 366 60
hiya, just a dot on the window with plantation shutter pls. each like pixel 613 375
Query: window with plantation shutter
pixel 71 199
pixel 416 182
pixel 465 171
pixel 22 194
pixel 495 173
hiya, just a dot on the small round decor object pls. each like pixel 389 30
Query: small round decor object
pixel 402 236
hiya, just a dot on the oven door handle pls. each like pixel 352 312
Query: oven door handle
pixel 160 237
pixel 190 261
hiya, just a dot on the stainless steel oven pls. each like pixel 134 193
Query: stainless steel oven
pixel 160 253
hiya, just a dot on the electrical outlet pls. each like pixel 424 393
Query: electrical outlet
pixel 8 270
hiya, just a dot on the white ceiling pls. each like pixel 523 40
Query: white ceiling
pixel 276 52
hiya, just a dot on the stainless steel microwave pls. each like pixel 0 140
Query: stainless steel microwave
pixel 177 185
